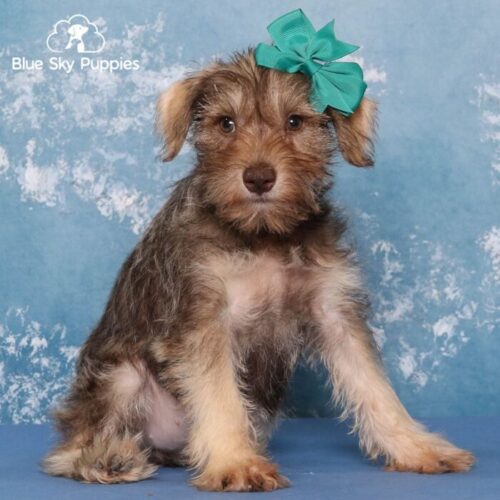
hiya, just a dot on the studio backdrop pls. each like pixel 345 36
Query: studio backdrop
pixel 80 179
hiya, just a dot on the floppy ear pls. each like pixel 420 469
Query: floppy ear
pixel 174 115
pixel 356 133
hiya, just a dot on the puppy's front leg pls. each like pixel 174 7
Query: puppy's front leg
pixel 221 442
pixel 346 346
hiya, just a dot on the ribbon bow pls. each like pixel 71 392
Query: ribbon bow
pixel 299 48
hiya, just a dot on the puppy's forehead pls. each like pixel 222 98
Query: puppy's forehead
pixel 243 89
pixel 283 93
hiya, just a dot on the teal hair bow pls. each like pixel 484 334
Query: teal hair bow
pixel 299 48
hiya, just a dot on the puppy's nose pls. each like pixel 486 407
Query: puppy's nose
pixel 259 178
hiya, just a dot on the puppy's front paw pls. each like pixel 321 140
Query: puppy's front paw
pixel 435 457
pixel 252 475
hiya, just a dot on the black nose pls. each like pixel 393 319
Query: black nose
pixel 259 178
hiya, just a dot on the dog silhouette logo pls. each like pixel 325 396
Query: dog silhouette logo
pixel 75 34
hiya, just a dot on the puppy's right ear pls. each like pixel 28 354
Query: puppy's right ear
pixel 356 133
pixel 174 114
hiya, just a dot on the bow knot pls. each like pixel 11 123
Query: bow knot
pixel 310 67
pixel 299 48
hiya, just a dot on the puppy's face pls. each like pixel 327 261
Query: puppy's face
pixel 263 150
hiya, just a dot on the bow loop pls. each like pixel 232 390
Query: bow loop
pixel 299 48
pixel 291 31
pixel 326 47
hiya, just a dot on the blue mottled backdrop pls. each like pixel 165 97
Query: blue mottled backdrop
pixel 80 179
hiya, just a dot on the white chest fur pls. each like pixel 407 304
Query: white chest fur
pixel 252 284
pixel 255 284
pixel 259 283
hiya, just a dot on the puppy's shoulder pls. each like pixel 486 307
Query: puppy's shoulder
pixel 326 228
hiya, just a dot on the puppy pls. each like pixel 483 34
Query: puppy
pixel 240 274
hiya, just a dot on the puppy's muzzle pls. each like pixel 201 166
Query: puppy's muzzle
pixel 259 178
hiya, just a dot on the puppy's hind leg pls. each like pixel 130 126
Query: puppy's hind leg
pixel 106 460
pixel 103 440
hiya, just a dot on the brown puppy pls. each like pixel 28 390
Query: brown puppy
pixel 240 274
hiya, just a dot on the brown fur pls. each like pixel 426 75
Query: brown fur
pixel 226 290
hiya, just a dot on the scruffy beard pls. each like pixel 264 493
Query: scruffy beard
pixel 277 214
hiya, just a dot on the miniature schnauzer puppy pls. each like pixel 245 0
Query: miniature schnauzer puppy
pixel 241 273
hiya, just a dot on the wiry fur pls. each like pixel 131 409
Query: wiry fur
pixel 209 314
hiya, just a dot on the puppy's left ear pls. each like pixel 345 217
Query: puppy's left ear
pixel 174 115
pixel 356 133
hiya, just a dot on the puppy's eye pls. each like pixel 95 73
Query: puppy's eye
pixel 294 122
pixel 227 124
